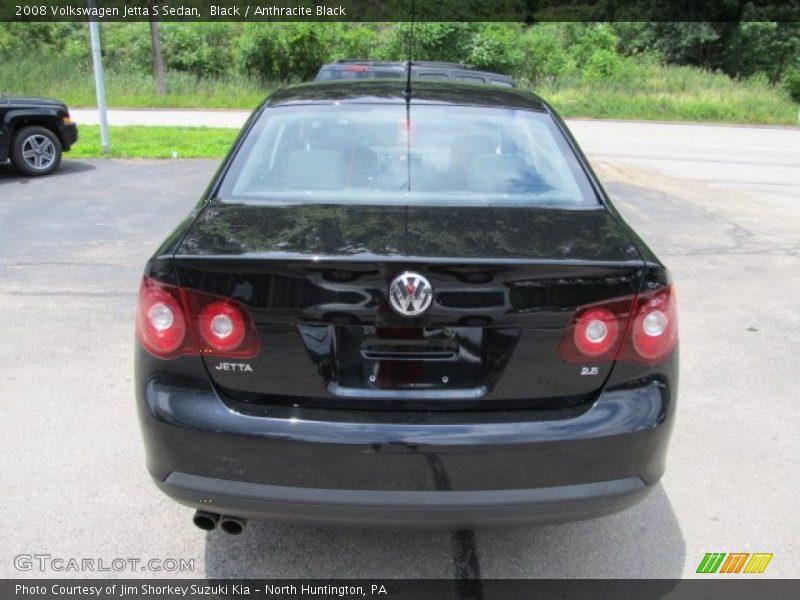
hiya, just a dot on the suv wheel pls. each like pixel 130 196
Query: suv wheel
pixel 36 151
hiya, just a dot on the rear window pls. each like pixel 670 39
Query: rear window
pixel 374 154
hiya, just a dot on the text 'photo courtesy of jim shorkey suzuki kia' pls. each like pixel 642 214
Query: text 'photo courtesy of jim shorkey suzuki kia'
pixel 405 304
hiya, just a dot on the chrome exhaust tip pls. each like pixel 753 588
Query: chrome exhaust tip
pixel 206 521
pixel 232 525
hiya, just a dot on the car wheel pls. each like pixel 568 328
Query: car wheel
pixel 36 151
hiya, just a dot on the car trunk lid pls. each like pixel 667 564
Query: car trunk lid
pixel 315 278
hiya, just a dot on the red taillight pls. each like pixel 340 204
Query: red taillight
pixel 160 321
pixel 173 321
pixel 596 332
pixel 653 330
pixel 221 326
pixel 641 328
pixel 356 68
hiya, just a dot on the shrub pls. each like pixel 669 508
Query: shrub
pixel 282 51
pixel 432 41
pixel 582 41
pixel 543 56
pixel 354 41
pixel 126 47
pixel 602 65
pixel 792 84
pixel 199 48
pixel 494 47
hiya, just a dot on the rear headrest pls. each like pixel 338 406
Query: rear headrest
pixel 466 146
pixel 315 170
pixel 499 173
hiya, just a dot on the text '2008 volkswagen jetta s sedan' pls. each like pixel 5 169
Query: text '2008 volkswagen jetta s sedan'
pixel 398 306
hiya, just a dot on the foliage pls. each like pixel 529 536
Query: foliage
pixel 71 81
pixel 348 40
pixel 648 90
pixel 199 48
pixel 742 70
pixel 285 51
pixel 792 84
pixel 495 47
pixel 543 59
pixel 764 39
pixel 764 47
pixel 126 47
pixel 447 41
pixel 682 43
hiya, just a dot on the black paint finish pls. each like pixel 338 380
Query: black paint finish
pixel 347 395
pixel 327 231
pixel 17 111
pixel 315 278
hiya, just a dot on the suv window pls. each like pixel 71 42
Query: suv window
pixel 429 76
pixel 470 78
pixel 338 72
pixel 420 70
pixel 372 154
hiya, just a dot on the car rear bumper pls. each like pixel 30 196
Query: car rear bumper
pixel 415 509
pixel 373 468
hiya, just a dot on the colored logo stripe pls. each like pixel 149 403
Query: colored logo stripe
pixel 710 562
pixel 758 562
pixel 734 562
pixel 713 562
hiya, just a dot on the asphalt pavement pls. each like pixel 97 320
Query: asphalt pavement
pixel 720 206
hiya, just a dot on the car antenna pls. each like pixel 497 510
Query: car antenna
pixel 407 90
pixel 407 95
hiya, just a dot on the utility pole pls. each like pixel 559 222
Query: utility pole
pixel 99 81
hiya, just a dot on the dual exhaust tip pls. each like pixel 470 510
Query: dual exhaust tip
pixel 208 521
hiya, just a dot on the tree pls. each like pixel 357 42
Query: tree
pixel 766 40
pixel 159 72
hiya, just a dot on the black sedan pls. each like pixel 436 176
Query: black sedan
pixel 34 132
pixel 405 308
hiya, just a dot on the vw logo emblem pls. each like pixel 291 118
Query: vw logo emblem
pixel 410 294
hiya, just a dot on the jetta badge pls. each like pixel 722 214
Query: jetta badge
pixel 410 294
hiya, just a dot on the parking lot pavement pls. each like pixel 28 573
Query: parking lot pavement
pixel 71 251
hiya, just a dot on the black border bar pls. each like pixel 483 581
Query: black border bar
pixel 526 11
pixel 734 588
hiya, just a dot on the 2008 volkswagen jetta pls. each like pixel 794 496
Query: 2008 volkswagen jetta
pixel 398 306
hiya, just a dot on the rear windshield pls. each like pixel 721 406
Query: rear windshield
pixel 376 154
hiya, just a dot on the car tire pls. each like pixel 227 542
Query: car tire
pixel 36 151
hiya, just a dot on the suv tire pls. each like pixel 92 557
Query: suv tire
pixel 36 150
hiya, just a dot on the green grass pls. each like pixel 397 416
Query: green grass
pixel 59 78
pixel 654 92
pixel 155 142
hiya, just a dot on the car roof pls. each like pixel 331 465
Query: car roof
pixel 391 91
